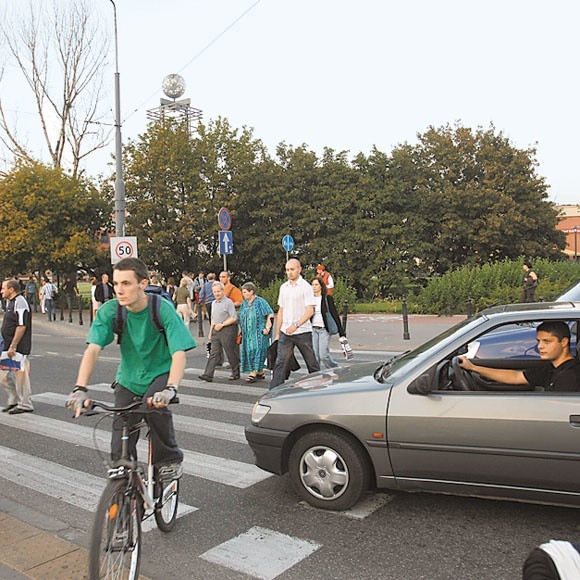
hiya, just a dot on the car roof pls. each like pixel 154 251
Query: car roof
pixel 561 308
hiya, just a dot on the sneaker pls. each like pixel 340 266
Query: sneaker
pixel 205 378
pixel 170 471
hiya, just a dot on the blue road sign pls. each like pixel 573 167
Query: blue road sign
pixel 226 243
pixel 288 242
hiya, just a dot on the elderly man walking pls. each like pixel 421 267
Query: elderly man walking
pixel 222 333
pixel 293 328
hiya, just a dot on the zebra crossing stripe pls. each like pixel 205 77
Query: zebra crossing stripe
pixel 220 387
pixel 261 553
pixel 213 429
pixel 74 487
pixel 227 471
pixel 195 401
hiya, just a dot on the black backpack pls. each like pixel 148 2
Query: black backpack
pixel 156 295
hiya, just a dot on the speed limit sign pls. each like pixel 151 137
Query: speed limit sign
pixel 123 247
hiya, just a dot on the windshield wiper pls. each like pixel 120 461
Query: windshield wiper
pixel 378 376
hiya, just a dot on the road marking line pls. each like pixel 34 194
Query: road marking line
pixel 74 487
pixel 214 429
pixel 195 401
pixel 261 553
pixel 227 471
pixel 364 508
pixel 220 387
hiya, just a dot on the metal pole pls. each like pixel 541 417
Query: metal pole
pixel 344 315
pixel 200 320
pixel 575 243
pixel 119 183
pixel 406 335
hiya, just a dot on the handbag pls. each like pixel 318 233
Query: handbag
pixel 331 325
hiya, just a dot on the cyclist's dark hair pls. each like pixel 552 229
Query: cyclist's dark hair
pixel 556 327
pixel 135 264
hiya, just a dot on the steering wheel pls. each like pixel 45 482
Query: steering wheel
pixel 463 378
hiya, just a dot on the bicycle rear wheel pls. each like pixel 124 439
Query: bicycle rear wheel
pixel 115 550
pixel 167 494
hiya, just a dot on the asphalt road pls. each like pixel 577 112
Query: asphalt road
pixel 247 524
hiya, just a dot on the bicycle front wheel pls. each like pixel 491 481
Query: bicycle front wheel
pixel 167 495
pixel 115 550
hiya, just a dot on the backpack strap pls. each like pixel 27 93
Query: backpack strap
pixel 155 313
pixel 119 322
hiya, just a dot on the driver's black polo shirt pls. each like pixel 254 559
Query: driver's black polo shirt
pixel 566 377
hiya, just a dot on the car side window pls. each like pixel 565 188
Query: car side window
pixel 510 341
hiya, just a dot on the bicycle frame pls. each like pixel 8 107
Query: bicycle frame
pixel 128 468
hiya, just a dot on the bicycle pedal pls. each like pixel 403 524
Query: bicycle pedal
pixel 117 472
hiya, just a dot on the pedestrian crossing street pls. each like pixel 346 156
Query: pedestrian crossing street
pixel 257 552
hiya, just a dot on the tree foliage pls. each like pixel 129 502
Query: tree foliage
pixel 49 220
pixel 459 196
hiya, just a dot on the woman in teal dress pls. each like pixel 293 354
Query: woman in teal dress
pixel 256 318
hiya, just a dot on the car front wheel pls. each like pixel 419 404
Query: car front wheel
pixel 328 470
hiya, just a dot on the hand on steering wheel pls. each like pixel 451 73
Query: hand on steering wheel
pixel 462 378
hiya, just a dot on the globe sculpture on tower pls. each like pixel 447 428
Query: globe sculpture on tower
pixel 181 110
pixel 173 86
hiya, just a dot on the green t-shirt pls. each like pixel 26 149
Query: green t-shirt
pixel 144 352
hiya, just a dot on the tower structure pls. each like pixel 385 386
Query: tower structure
pixel 181 110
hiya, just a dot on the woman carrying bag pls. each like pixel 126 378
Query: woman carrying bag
pixel 325 323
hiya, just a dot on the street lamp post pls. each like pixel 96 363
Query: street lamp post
pixel 119 183
pixel 575 243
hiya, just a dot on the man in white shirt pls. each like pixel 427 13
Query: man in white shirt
pixel 293 327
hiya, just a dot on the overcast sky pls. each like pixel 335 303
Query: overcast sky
pixel 350 75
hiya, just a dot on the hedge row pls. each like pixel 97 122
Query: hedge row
pixel 491 284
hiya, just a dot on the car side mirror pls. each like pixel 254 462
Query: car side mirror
pixel 421 385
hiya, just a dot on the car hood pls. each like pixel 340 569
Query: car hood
pixel 350 377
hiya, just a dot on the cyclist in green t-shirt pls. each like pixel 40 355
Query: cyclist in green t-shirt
pixel 152 362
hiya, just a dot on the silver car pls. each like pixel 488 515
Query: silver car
pixel 419 422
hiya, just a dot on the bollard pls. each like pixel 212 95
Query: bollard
pixel 344 317
pixel 61 299
pixel 200 321
pixel 469 308
pixel 81 323
pixel 406 335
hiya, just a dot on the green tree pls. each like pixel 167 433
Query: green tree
pixel 477 199
pixel 49 219
pixel 176 183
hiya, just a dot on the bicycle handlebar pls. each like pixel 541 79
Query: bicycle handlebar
pixel 91 404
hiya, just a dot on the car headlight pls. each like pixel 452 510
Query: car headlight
pixel 259 412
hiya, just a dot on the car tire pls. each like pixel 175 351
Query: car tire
pixel 328 470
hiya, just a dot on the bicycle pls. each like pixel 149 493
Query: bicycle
pixel 130 497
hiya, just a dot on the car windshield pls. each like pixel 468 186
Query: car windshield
pixel 396 367
pixel 570 295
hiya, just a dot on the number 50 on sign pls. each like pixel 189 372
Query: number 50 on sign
pixel 123 247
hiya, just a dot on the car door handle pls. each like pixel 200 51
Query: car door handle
pixel 575 420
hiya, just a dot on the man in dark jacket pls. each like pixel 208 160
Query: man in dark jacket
pixel 104 291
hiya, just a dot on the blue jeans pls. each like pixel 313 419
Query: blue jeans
pixel 50 308
pixel 286 344
pixel 320 344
